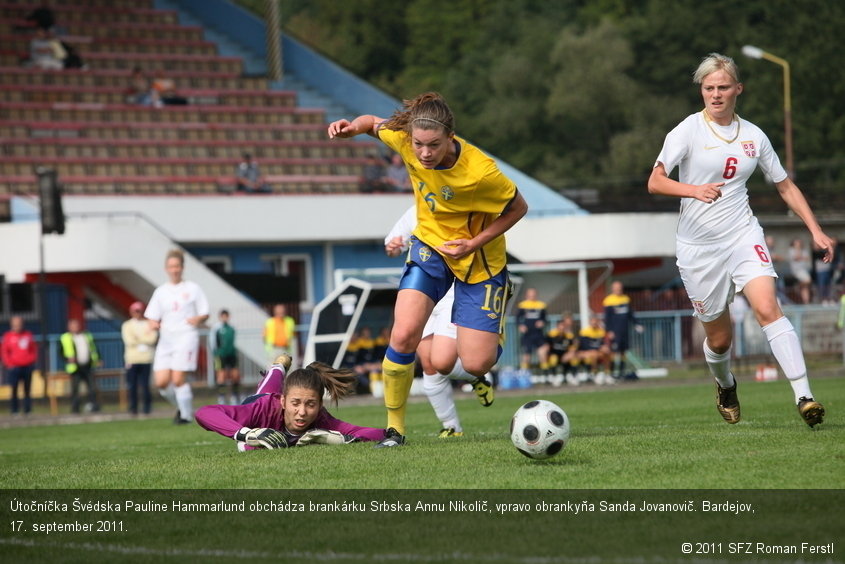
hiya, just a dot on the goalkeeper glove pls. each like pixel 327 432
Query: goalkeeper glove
pixel 323 437
pixel 262 438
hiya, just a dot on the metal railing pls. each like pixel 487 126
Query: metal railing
pixel 669 337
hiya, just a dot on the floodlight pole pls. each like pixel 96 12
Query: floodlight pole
pixel 273 40
pixel 757 53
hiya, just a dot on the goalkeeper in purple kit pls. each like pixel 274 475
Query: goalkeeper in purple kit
pixel 288 411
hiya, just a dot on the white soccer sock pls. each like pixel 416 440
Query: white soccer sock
pixel 720 366
pixel 169 393
pixel 458 373
pixel 185 397
pixel 438 388
pixel 787 350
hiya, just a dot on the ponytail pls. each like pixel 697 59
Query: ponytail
pixel 427 111
pixel 322 378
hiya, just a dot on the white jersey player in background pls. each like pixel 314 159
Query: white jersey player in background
pixel 721 248
pixel 177 310
pixel 438 349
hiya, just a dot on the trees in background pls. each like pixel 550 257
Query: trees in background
pixel 581 94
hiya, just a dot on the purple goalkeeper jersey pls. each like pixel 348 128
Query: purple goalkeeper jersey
pixel 266 412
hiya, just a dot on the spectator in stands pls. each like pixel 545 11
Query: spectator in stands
pixel 41 17
pixel 222 339
pixel 177 309
pixel 531 321
pixel 140 90
pixel 165 91
pixel 249 177
pixel 280 334
pixel 823 272
pixel 799 265
pixel 139 341
pixel 374 178
pixel 46 51
pixel 396 174
pixel 778 261
pixel 19 353
pixel 81 358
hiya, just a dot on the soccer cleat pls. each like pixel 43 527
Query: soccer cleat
pixel 392 438
pixel 812 412
pixel 484 390
pixel 727 403
pixel 284 360
pixel 177 420
pixel 449 432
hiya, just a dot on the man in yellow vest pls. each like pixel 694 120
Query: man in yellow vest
pixel 81 356
pixel 280 334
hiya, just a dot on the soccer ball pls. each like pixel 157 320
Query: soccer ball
pixel 539 429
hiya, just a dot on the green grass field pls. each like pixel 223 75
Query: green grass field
pixel 469 499
pixel 640 436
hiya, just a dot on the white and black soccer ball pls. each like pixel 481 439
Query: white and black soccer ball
pixel 539 429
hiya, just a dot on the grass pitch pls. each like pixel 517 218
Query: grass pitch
pixel 632 436
pixel 637 483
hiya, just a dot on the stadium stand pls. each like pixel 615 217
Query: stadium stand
pixel 82 123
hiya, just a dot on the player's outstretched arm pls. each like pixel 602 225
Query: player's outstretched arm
pixel 344 128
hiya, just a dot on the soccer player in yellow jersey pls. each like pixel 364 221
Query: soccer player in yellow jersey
pixel 464 206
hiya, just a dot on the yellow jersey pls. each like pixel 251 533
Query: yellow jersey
pixel 458 203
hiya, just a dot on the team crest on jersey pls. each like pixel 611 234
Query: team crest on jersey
pixel 447 193
pixel 424 253
pixel 749 148
pixel 698 306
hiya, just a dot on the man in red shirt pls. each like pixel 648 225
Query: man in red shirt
pixel 19 354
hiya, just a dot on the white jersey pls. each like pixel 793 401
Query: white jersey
pixel 704 158
pixel 174 304
pixel 403 227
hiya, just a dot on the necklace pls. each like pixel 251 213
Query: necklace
pixel 708 119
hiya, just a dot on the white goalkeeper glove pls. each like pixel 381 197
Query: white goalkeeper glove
pixel 324 437
pixel 261 438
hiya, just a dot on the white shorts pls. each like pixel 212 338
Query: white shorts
pixel 177 352
pixel 440 320
pixel 714 272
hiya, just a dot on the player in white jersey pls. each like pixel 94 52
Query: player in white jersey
pixel 438 348
pixel 177 310
pixel 721 248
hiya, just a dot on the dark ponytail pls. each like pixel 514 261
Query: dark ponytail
pixel 322 378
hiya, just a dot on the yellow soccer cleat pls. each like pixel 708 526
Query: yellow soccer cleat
pixel 727 403
pixel 812 412
pixel 449 432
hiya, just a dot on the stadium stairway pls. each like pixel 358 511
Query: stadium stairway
pixel 227 46
pixel 255 65
pixel 129 249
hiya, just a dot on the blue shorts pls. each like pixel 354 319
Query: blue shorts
pixel 478 306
